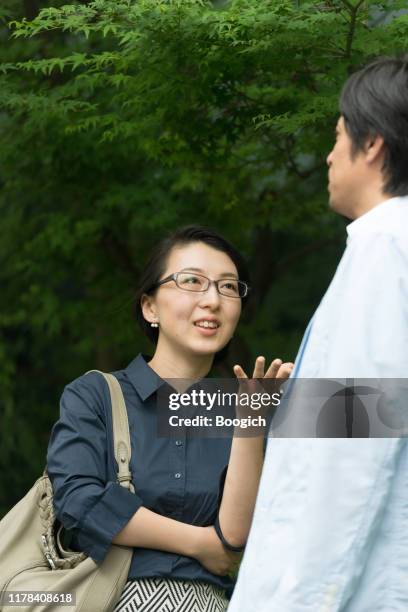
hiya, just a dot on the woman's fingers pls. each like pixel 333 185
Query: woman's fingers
pixel 285 370
pixel 277 369
pixel 239 372
pixel 273 369
pixel 259 369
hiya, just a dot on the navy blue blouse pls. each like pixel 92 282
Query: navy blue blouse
pixel 178 478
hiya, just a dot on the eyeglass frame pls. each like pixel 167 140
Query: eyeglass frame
pixel 173 277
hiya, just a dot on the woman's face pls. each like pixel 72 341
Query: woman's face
pixel 181 314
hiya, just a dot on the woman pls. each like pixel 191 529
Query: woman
pixel 189 303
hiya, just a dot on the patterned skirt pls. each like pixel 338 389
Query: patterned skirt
pixel 164 595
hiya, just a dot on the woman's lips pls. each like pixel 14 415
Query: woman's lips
pixel 206 331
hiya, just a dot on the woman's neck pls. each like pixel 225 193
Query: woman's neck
pixel 173 364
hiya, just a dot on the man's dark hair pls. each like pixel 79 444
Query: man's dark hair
pixel 374 101
pixel 157 265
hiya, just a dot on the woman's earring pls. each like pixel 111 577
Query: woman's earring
pixel 154 324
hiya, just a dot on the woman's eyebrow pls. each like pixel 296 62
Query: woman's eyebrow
pixel 224 274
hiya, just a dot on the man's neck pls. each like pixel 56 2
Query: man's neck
pixel 369 201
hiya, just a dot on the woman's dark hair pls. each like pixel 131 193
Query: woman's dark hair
pixel 158 261
pixel 374 101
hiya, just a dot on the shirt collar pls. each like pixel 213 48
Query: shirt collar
pixel 374 218
pixel 143 378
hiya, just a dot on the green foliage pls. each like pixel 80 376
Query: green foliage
pixel 121 120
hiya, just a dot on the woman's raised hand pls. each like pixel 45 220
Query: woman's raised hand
pixel 277 369
pixel 256 386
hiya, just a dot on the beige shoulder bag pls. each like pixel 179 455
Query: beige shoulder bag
pixel 31 555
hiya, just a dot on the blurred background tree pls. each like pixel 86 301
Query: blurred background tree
pixel 121 120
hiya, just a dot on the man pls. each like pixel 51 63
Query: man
pixel 330 530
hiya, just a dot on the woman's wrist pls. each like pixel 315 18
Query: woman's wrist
pixel 194 543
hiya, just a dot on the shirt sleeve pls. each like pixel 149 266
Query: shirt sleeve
pixel 86 501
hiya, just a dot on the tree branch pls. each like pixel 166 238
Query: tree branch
pixel 353 9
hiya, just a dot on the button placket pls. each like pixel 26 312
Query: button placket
pixel 180 459
pixel 178 473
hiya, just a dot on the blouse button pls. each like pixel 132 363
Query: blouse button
pixel 177 475
pixel 178 443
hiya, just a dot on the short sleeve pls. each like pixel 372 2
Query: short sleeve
pixel 86 501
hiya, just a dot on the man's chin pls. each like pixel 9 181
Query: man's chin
pixel 332 203
pixel 335 204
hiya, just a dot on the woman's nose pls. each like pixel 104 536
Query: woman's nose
pixel 211 296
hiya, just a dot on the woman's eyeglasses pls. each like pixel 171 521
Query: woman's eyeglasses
pixel 188 281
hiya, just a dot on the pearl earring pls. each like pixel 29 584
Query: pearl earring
pixel 154 324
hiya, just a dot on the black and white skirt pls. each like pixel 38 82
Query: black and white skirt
pixel 164 595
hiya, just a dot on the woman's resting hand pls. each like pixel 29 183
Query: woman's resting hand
pixel 212 554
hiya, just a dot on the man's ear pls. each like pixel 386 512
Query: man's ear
pixel 148 307
pixel 374 148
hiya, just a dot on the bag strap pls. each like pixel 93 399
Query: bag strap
pixel 121 436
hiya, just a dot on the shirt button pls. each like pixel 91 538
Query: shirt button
pixel 177 475
pixel 178 443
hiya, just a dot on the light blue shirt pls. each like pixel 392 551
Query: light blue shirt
pixel 330 530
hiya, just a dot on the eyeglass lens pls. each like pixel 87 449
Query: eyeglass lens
pixel 196 282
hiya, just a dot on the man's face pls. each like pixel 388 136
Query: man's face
pixel 346 174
